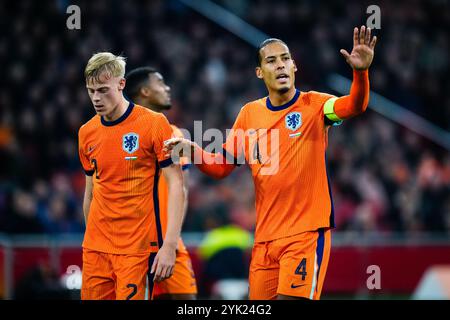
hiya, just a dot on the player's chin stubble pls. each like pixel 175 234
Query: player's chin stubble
pixel 283 90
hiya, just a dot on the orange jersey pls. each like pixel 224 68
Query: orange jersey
pixel 124 156
pixel 164 192
pixel 290 177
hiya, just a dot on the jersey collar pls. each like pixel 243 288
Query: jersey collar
pixel 120 119
pixel 283 106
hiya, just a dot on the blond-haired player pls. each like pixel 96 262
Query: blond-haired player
pixel 121 151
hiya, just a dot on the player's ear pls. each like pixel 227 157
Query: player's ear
pixel 144 91
pixel 122 83
pixel 259 73
pixel 295 66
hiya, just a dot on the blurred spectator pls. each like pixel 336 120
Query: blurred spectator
pixel 224 251
pixel 23 217
pixel 41 283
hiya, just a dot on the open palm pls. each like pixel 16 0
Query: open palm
pixel 363 49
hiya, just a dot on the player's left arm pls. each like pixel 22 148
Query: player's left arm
pixel 185 166
pixel 360 59
pixel 165 259
pixel 185 169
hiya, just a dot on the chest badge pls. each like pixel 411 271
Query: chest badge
pixel 293 121
pixel 130 142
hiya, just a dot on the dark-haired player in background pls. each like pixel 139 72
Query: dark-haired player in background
pixel 146 87
pixel 293 203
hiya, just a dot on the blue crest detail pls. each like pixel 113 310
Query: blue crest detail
pixel 130 142
pixel 293 121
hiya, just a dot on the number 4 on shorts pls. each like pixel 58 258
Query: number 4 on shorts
pixel 301 269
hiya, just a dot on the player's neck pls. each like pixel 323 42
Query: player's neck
pixel 118 111
pixel 278 99
pixel 148 105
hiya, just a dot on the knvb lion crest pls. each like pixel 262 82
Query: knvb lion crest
pixel 293 121
pixel 130 142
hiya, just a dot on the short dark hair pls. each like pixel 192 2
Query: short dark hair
pixel 136 79
pixel 262 45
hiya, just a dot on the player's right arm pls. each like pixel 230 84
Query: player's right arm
pixel 215 165
pixel 87 198
pixel 88 170
pixel 211 164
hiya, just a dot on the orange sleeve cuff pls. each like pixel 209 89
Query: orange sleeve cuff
pixel 358 99
pixel 212 164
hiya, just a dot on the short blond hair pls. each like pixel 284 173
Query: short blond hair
pixel 104 63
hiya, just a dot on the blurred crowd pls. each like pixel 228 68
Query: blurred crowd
pixel 385 178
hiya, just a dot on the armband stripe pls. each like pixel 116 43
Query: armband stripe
pixel 328 110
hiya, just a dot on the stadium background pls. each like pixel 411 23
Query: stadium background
pixel 390 185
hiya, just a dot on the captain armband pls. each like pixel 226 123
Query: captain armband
pixel 330 116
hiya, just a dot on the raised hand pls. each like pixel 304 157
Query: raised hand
pixel 363 49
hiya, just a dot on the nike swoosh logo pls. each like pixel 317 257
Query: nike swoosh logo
pixel 294 286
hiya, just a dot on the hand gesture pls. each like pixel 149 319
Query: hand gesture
pixel 363 49
pixel 177 145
